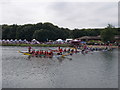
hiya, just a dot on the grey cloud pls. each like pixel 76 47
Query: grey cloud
pixel 87 14
pixel 64 14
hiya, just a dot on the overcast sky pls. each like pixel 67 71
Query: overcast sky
pixel 64 14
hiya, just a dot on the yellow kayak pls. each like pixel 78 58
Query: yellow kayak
pixel 25 53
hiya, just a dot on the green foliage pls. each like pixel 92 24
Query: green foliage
pixel 41 35
pixel 44 31
pixel 85 32
pixel 108 34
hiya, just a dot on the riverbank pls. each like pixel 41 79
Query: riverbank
pixel 37 45
pixel 56 45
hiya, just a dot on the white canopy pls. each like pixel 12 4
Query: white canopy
pixel 7 40
pixel 59 40
pixel 34 40
pixel 25 40
pixel 20 40
pixel 11 40
pixel 75 40
pixel 16 40
pixel 3 40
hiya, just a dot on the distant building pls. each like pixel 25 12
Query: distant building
pixel 117 38
pixel 88 38
pixel 76 42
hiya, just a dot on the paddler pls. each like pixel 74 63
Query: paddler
pixel 65 50
pixel 36 53
pixel 40 53
pixel 85 47
pixel 29 49
pixel 76 49
pixel 68 50
pixel 50 54
pixel 58 47
pixel 72 51
pixel 33 51
pixel 46 53
pixel 83 51
pixel 60 50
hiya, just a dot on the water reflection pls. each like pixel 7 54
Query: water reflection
pixel 108 55
pixel 59 58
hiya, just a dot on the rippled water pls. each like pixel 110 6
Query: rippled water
pixel 97 70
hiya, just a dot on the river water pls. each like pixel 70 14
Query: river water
pixel 93 70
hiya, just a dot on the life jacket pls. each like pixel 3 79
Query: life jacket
pixel 50 53
pixel 46 52
pixel 33 52
pixel 36 52
pixel 39 52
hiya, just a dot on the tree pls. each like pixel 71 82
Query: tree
pixel 107 34
pixel 42 35
pixel 53 32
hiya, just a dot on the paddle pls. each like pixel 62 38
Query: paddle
pixel 66 54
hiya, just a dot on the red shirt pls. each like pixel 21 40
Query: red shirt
pixel 60 50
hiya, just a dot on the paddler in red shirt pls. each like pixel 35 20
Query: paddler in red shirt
pixel 61 51
pixel 33 51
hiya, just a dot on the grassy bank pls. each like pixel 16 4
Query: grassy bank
pixel 38 45
pixel 54 45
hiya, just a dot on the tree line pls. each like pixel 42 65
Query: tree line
pixel 47 31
